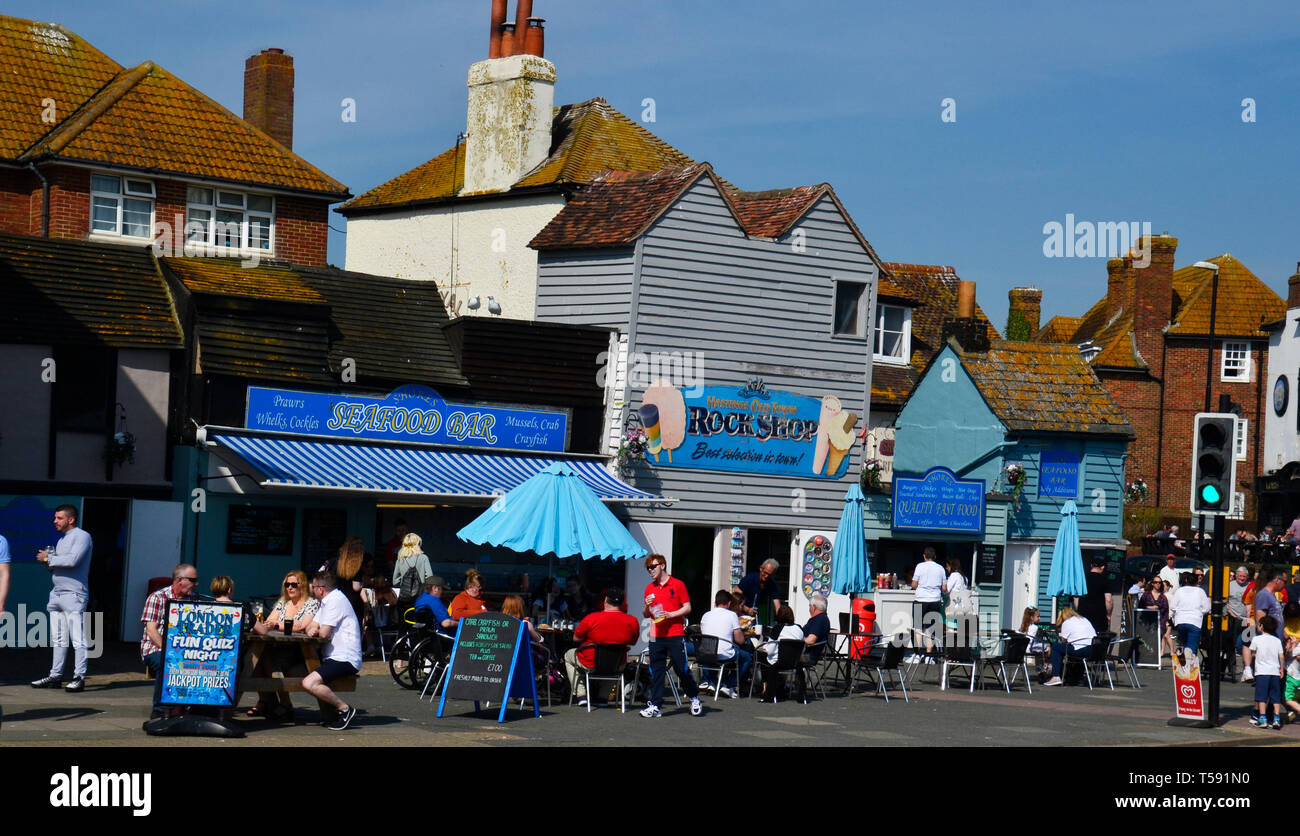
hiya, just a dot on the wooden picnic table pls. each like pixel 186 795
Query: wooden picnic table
pixel 257 652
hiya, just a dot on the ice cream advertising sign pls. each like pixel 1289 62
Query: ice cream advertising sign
pixel 750 429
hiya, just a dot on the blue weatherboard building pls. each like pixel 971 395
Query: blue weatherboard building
pixel 973 417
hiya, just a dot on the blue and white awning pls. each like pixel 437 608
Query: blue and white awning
pixel 294 462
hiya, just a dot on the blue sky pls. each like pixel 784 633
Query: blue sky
pixel 1107 111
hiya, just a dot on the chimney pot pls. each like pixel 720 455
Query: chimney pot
pixel 494 36
pixel 966 300
pixel 507 39
pixel 535 37
pixel 523 11
pixel 1293 289
pixel 1026 306
pixel 268 94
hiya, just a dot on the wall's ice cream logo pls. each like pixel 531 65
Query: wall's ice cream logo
pixel 834 436
pixel 663 414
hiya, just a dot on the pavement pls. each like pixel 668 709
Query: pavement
pixel 117 698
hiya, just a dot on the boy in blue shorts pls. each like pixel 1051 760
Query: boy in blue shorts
pixel 1267 650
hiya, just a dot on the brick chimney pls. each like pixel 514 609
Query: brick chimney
pixel 969 332
pixel 1119 286
pixel 1293 289
pixel 1153 299
pixel 268 94
pixel 1023 313
pixel 508 122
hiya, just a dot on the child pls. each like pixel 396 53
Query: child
pixel 1267 650
pixel 1291 687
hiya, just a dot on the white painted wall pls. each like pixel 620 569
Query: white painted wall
pixel 143 381
pixel 1281 440
pixel 490 256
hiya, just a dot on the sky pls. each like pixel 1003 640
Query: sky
pixel 1105 111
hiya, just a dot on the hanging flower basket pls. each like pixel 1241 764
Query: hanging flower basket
pixel 632 451
pixel 870 478
pixel 1136 491
pixel 1014 478
pixel 120 448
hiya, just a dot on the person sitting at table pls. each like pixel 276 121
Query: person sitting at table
pixel 722 623
pixel 1077 634
pixel 1037 647
pixel 576 600
pixel 548 603
pixel 222 587
pixel 817 632
pixel 513 606
pixel 773 685
pixel 296 603
pixel 611 625
pixel 429 608
pixel 469 602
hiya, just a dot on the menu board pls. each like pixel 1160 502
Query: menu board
pixel 259 529
pixel 988 564
pixel 490 661
pixel 323 531
pixel 201 653
pixel 1146 629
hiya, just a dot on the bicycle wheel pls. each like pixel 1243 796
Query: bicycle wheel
pixel 399 662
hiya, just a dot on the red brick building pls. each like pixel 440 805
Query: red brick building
pixel 91 150
pixel 1147 340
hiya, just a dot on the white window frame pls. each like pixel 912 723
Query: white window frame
pixel 878 332
pixel 1240 360
pixel 1239 440
pixel 128 188
pixel 202 233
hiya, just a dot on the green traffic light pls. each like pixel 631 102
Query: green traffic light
pixel 1210 494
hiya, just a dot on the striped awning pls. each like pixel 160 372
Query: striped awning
pixel 288 462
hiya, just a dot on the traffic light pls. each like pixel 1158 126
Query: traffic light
pixel 1214 463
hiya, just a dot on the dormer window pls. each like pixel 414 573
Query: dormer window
pixel 850 309
pixel 893 334
pixel 1089 351
pixel 121 206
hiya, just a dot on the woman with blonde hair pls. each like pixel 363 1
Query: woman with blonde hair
pixel 410 572
pixel 298 605
pixel 1077 634
pixel 469 602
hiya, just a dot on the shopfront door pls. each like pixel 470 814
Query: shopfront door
pixel 1021 587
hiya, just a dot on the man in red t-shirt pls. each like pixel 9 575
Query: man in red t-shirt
pixel 668 604
pixel 610 626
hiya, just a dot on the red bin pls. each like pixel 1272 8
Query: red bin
pixel 864 610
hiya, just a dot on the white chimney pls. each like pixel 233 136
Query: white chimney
pixel 509 121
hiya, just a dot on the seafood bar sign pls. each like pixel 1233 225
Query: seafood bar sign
pixel 408 413
pixel 750 429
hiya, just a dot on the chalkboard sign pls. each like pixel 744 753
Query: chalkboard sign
pixel 323 531
pixel 490 661
pixel 258 529
pixel 988 563
pixel 1146 631
pixel 1115 571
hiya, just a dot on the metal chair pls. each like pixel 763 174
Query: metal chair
pixel 1095 661
pixel 886 655
pixel 788 654
pixel 707 659
pixel 1120 652
pixel 1015 647
pixel 964 658
pixel 430 662
pixel 610 665
pixel 643 659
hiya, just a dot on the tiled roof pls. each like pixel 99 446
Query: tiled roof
pixel 934 287
pixel 588 138
pixel 1245 303
pixel 226 277
pixel 1033 387
pixel 1245 306
pixel 392 329
pixel 769 214
pixel 280 341
pixel 74 292
pixel 139 118
pixel 891 292
pixel 504 357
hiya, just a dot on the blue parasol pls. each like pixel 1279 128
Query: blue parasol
pixel 553 513
pixel 850 571
pixel 1066 576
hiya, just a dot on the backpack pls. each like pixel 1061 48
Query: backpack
pixel 409 588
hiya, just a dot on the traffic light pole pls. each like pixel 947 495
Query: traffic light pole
pixel 1216 621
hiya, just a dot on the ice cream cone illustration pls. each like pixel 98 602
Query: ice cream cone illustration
pixel 671 413
pixel 840 435
pixel 830 409
pixel 650 421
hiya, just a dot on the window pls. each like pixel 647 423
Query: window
pixel 121 206
pixel 1236 362
pixel 850 309
pixel 228 219
pixel 893 334
pixel 1239 444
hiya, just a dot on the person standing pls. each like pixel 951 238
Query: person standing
pixel 758 588
pixel 341 656
pixel 69 563
pixel 1169 574
pixel 667 604
pixel 1238 616
pixel 1096 605
pixel 4 571
pixel 1188 607
pixel 928 579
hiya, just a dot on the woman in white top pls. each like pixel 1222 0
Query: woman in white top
pixel 789 630
pixel 956 581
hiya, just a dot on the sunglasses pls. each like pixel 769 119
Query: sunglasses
pixel 291 584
